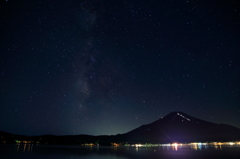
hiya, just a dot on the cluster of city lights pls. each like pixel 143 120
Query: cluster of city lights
pixel 195 146
pixel 169 146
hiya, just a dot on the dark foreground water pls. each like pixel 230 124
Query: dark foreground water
pixel 27 151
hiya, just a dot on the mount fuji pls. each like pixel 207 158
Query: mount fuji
pixel 180 127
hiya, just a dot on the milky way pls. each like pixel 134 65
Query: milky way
pixel 107 67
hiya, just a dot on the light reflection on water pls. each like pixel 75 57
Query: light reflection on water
pixel 137 147
pixel 24 147
pixel 175 150
pixel 194 146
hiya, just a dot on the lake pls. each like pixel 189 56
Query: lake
pixel 197 151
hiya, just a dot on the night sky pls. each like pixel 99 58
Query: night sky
pixel 109 66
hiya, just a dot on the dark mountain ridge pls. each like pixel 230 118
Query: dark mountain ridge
pixel 175 127
pixel 180 127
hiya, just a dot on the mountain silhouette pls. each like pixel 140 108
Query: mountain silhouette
pixel 180 127
pixel 175 127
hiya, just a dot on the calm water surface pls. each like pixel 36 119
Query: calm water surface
pixel 27 151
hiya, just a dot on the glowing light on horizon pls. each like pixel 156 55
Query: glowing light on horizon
pixel 138 145
pixel 195 145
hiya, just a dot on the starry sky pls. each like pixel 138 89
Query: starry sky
pixel 103 67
